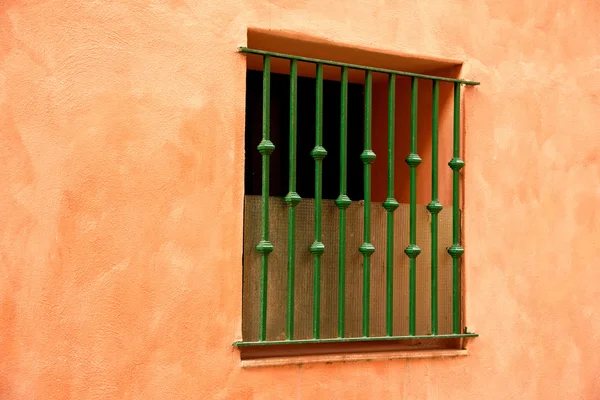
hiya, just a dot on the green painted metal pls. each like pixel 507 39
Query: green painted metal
pixel 265 247
pixel 265 148
pixel 390 204
pixel 317 248
pixel 412 251
pixel 292 199
pixel 434 206
pixel 246 50
pixel 355 339
pixel 456 250
pixel 367 248
pixel 343 202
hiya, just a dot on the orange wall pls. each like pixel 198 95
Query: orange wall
pixel 122 127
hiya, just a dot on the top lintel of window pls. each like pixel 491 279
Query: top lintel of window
pixel 246 50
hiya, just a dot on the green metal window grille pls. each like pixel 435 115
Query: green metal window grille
pixel 264 247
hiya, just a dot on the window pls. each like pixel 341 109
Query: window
pixel 339 244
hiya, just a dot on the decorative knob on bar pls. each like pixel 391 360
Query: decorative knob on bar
pixel 292 199
pixel 412 251
pixel 366 249
pixel 343 202
pixel 264 247
pixel 456 164
pixel 318 153
pixel 265 147
pixel 434 207
pixel 367 156
pixel 456 250
pixel 317 248
pixel 390 204
pixel 413 160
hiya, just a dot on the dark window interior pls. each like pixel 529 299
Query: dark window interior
pixel 305 166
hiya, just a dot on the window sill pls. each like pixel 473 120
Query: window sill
pixel 272 353
pixel 331 358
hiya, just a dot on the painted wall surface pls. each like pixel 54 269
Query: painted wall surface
pixel 121 140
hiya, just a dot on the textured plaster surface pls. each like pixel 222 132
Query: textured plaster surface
pixel 121 140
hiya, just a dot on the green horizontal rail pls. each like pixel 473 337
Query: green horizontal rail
pixel 246 50
pixel 356 339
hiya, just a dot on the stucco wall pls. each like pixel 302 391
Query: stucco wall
pixel 122 127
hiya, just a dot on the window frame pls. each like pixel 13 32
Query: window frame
pixel 265 247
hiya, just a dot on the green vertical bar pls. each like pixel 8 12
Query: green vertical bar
pixel 390 204
pixel 292 199
pixel 412 251
pixel 366 248
pixel 342 202
pixel 317 248
pixel 434 206
pixel 265 148
pixel 455 250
